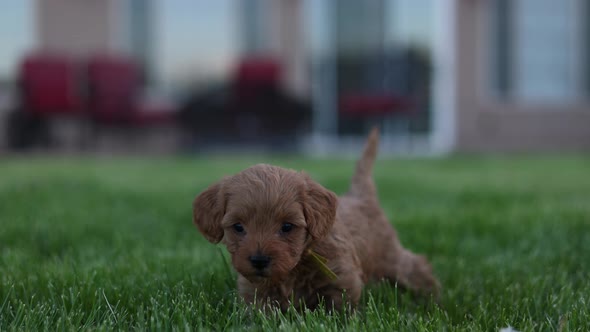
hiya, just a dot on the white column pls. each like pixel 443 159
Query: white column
pixel 444 95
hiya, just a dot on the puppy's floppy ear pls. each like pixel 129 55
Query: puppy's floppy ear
pixel 208 210
pixel 319 208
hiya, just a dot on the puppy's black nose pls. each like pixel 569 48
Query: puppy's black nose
pixel 259 261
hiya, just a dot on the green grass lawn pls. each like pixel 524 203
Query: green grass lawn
pixel 110 244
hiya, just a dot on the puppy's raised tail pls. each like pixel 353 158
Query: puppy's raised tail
pixel 362 184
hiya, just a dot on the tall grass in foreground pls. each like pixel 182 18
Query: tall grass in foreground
pixel 109 244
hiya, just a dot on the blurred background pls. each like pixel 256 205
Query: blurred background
pixel 305 76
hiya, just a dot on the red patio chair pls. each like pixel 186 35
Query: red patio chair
pixel 50 85
pixel 50 92
pixel 255 75
pixel 386 109
pixel 374 105
pixel 114 91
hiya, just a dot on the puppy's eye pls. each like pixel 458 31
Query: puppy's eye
pixel 238 228
pixel 286 227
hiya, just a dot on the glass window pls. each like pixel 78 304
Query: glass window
pixel 539 50
pixel 196 40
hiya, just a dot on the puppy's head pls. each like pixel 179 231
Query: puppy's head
pixel 266 216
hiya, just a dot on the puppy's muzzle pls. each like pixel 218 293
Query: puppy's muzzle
pixel 259 262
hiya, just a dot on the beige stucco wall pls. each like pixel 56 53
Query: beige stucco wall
pixel 78 27
pixel 288 44
pixel 486 124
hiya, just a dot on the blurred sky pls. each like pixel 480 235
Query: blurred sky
pixel 16 32
pixel 200 37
